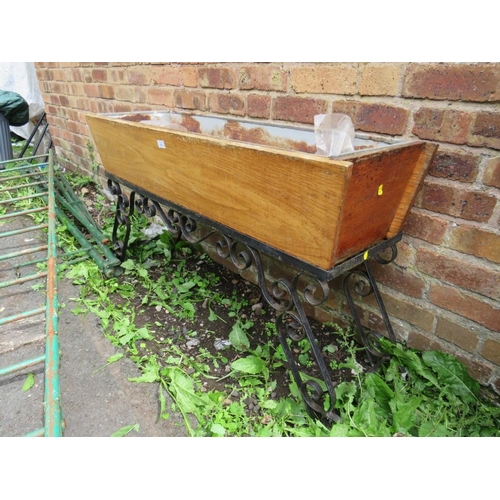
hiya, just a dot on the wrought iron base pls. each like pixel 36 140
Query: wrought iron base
pixel 287 297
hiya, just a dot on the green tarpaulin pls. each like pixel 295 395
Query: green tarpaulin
pixel 14 108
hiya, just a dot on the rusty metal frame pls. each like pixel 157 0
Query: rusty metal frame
pixel 36 168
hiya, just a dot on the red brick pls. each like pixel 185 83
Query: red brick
pixel 372 117
pixel 406 255
pixel 465 305
pixel 123 107
pixel 402 281
pixel 158 95
pixel 190 99
pixel 166 75
pixel 476 241
pixel 425 227
pixel 325 79
pixel 124 93
pixel 486 130
pixel 454 82
pixel 496 385
pixel 475 205
pixel 349 108
pixel 104 106
pixel 491 175
pixel 466 204
pixel 491 351
pixel 77 75
pixel 91 90
pixel 276 269
pixel 259 106
pixel 380 79
pixel 411 312
pixel 106 91
pixel 64 100
pixel 477 370
pixel 420 341
pixel 373 321
pixel 297 109
pixel 58 75
pixel 454 166
pixel 99 75
pixel 72 126
pixel 457 334
pixel 436 197
pixel 118 76
pixel 444 125
pixel 218 78
pixel 139 76
pixel 189 76
pixel 459 272
pixel 226 103
pixel 140 96
pixel 262 78
pixel 382 119
pixel 41 74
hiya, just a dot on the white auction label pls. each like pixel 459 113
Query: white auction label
pixel 161 144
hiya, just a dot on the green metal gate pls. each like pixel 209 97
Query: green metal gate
pixel 26 189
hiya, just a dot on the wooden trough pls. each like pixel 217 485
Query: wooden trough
pixel 265 181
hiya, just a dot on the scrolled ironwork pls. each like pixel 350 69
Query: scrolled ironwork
pixel 365 285
pixel 114 188
pixel 293 324
pixel 143 207
pixel 379 257
pixel 311 292
pixel 124 210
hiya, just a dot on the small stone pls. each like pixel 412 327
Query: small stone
pixel 158 308
pixel 257 308
pixel 192 343
pixel 84 191
pixel 266 419
pixel 235 281
pixel 227 369
pixel 220 344
pixel 227 402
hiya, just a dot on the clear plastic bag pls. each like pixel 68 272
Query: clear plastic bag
pixel 334 134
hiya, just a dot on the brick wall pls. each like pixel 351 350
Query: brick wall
pixel 443 291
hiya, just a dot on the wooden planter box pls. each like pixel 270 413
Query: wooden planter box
pixel 265 181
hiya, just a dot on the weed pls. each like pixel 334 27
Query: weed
pixel 235 393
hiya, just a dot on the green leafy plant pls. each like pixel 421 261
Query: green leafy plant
pixel 413 394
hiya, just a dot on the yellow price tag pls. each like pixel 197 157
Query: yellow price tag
pixel 365 255
pixel 381 190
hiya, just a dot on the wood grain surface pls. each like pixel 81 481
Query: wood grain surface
pixel 291 201
pixel 319 210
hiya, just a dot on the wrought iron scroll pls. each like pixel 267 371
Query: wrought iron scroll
pixel 363 283
pixel 176 223
pixel 286 297
pixel 124 210
pixel 292 323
